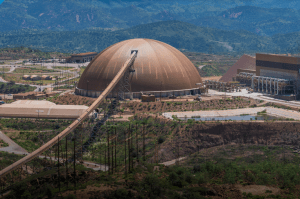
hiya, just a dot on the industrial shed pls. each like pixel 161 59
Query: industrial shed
pixel 41 109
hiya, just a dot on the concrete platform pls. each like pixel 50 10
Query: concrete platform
pixel 41 109
pixel 277 112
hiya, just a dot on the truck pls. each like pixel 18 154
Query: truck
pixel 198 98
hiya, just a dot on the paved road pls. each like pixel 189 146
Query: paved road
pixel 258 96
pixel 2 80
pixel 90 165
pixel 12 68
pixel 16 149
pixel 200 67
pixel 12 145
pixel 171 162
pixel 223 113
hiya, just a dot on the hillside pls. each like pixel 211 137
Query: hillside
pixel 259 17
pixel 181 35
pixel 27 53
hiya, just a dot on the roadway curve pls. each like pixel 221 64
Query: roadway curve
pixel 70 128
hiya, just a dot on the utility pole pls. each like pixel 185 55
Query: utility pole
pixel 144 153
pixel 74 139
pixel 99 147
pixel 67 162
pixel 136 140
pixel 131 146
pixel 129 149
pixel 156 151
pixel 58 178
pixel 125 153
pixel 116 147
pixel 112 157
pixel 81 147
pixel 108 154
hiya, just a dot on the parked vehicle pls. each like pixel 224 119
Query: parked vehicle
pixel 198 98
pixel 1 102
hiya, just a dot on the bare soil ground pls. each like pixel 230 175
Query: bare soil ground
pixel 221 63
pixel 193 137
pixel 207 141
pixel 166 105
pixel 184 105
pixel 69 99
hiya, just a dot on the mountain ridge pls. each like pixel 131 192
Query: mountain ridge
pixel 181 35
pixel 68 15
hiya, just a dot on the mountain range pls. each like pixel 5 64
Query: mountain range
pixel 181 35
pixel 262 17
pixel 215 26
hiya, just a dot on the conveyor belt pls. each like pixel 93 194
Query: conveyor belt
pixel 72 126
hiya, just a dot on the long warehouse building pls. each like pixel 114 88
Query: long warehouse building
pixel 274 74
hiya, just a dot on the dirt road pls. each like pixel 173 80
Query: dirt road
pixel 13 147
pixel 171 162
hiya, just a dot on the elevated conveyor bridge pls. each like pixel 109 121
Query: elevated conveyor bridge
pixel 124 69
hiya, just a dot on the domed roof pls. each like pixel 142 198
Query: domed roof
pixel 158 67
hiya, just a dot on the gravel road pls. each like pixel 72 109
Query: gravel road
pixel 13 147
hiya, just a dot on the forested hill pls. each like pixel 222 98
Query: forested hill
pixel 181 35
pixel 257 16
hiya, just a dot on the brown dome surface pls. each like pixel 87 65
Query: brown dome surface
pixel 158 67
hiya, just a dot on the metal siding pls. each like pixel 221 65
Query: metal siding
pixel 285 66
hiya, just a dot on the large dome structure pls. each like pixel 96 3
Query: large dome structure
pixel 160 69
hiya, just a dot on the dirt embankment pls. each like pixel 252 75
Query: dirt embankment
pixel 155 107
pixel 69 99
pixel 188 138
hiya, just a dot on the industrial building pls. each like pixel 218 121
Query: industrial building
pixel 26 77
pixel 41 109
pixel 81 58
pixel 159 69
pixel 36 77
pixel 274 74
pixel 46 77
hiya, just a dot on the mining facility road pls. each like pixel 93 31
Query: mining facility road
pixel 254 95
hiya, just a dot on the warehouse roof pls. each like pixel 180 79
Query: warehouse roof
pixel 41 109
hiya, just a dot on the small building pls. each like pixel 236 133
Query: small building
pixel 35 77
pixel 148 98
pixel 41 109
pixel 46 77
pixel 26 77
pixel 81 58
